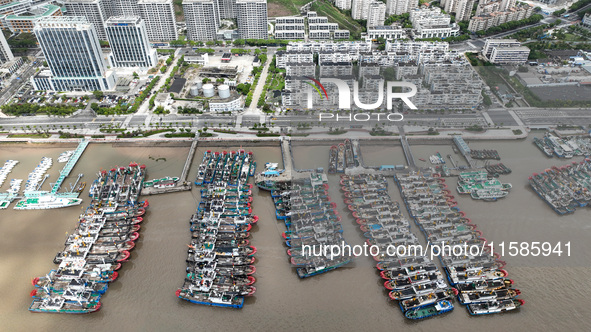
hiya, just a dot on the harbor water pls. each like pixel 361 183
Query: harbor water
pixel 556 289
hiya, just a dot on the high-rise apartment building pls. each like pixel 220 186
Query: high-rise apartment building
pixel 160 19
pixel 252 19
pixel 202 17
pixel 129 42
pixel 72 51
pixel 376 14
pixel 399 7
pixel 95 11
pixel 343 4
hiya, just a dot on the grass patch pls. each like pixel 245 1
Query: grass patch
pixel 29 136
pixel 97 136
pixel 111 130
pixel 337 132
pixel 185 135
pixel 298 135
pixel 517 132
pixel 157 131
pixel 225 131
pixel 335 15
pixel 267 134
pixel 283 7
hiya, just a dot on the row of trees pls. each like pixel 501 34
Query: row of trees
pixel 510 25
pixel 31 109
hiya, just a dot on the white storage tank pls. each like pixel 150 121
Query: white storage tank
pixel 208 90
pixel 199 84
pixel 194 91
pixel 224 91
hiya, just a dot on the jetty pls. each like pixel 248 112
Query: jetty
pixel 464 150
pixel 407 151
pixel 69 166
pixel 182 184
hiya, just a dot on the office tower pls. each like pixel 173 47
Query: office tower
pixel 95 11
pixel 252 19
pixel 72 51
pixel 202 17
pixel 129 42
pixel 160 19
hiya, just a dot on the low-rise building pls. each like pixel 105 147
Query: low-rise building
pixel 432 23
pixel 284 57
pixel 509 55
pixel 388 32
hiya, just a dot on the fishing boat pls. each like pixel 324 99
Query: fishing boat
pixel 494 307
pixel 212 298
pixel 440 307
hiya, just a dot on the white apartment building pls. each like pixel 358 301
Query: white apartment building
pixel 376 14
pixel 586 20
pixel 343 4
pixel 202 18
pixel 489 44
pixel 487 20
pixel 290 27
pixel 341 34
pixel 388 32
pixel 95 11
pixel 160 19
pixel 360 9
pixel 124 8
pixel 129 43
pixel 227 8
pixel 284 57
pixel 252 19
pixel 398 7
pixel 509 55
pixel 432 23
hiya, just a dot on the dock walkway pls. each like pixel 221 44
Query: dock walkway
pixel 69 166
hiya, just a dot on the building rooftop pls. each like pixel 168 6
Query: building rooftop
pixel 122 20
pixel 42 11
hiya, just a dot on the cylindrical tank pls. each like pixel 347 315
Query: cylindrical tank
pixel 224 91
pixel 208 90
pixel 194 91
pixel 199 84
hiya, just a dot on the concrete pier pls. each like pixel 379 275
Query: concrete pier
pixel 183 184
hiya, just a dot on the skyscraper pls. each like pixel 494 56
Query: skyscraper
pixel 160 19
pixel 95 11
pixel 202 17
pixel 129 42
pixel 5 52
pixel 72 51
pixel 252 19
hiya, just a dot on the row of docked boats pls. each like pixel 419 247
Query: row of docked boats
pixel 342 156
pixel 231 167
pixel 479 278
pixel 312 224
pixel 485 154
pixel 38 174
pixel 480 186
pixel 412 280
pixel 220 258
pixel 497 169
pixel 564 188
pixel 11 194
pixel 6 169
pixel 563 147
pixel 101 242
